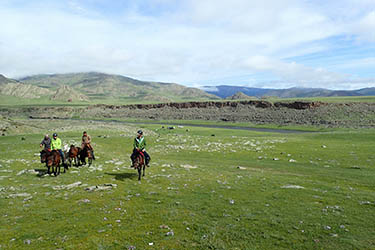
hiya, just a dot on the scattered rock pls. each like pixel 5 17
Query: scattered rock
pixel 186 166
pixel 241 168
pixel 19 195
pixel 106 186
pixel 164 227
pixel 170 233
pixel 366 203
pixel 84 201
pixel 293 187
pixel 70 186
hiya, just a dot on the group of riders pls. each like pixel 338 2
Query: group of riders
pixel 139 146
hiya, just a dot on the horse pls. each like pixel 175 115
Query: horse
pixel 52 160
pixel 86 152
pixel 73 154
pixel 139 163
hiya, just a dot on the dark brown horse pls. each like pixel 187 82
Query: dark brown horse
pixel 73 155
pixel 139 164
pixel 52 160
pixel 86 152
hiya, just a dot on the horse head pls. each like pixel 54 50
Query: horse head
pixel 43 155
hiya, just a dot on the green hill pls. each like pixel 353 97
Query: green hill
pixel 100 86
pixel 10 87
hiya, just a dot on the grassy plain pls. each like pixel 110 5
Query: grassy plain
pixel 206 189
pixel 7 101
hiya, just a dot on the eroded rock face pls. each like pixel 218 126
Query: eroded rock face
pixel 187 105
pixel 352 115
pixel 298 105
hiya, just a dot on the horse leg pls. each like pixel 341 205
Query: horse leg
pixel 139 173
pixel 144 169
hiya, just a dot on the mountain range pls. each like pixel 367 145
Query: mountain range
pixel 107 88
pixel 225 91
pixel 94 86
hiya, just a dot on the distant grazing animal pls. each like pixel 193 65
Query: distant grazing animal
pixel 73 155
pixel 52 160
pixel 86 153
pixel 139 163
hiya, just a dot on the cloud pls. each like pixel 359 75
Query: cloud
pixel 365 28
pixel 186 41
pixel 293 72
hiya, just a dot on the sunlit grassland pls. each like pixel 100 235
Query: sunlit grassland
pixel 213 188
pixel 7 101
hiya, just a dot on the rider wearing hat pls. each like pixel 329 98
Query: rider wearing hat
pixel 140 145
pixel 86 142
pixel 56 145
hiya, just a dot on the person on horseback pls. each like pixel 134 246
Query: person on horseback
pixel 139 145
pixel 56 145
pixel 46 142
pixel 86 142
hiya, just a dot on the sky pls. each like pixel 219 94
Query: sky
pixel 269 43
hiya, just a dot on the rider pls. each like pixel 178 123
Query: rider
pixel 56 145
pixel 46 142
pixel 140 145
pixel 86 142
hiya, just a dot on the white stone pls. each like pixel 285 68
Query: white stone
pixel 293 186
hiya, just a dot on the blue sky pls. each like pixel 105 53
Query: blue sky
pixel 270 43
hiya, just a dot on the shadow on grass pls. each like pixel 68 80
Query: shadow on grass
pixel 123 176
pixel 41 171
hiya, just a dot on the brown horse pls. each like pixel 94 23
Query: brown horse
pixel 52 160
pixel 73 155
pixel 139 164
pixel 86 152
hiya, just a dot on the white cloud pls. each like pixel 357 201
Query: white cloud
pixel 194 41
pixel 366 27
pixel 296 73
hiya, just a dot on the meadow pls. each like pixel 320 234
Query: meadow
pixel 206 188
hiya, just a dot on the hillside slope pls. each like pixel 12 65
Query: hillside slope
pixel 101 86
pixel 12 87
pixel 66 93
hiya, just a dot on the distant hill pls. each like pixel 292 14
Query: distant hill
pixel 66 93
pixel 225 91
pixel 96 85
pixel 14 88
pixel 238 96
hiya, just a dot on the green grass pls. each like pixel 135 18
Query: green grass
pixel 195 189
pixel 9 101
